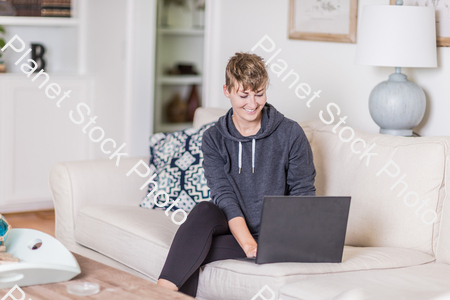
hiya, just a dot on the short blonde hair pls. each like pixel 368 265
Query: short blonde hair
pixel 248 70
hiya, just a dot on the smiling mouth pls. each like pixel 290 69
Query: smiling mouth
pixel 250 111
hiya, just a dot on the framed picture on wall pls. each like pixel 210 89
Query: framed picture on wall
pixel 442 8
pixel 323 20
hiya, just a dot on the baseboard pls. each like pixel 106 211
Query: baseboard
pixel 26 206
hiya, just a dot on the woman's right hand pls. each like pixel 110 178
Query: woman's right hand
pixel 251 250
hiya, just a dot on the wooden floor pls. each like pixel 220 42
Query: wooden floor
pixel 40 220
pixel 114 285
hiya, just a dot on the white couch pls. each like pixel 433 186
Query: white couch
pixel 390 252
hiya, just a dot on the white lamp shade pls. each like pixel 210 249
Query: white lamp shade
pixel 397 36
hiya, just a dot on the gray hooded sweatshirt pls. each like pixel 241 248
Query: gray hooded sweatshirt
pixel 240 170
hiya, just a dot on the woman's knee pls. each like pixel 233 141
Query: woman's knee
pixel 204 206
pixel 208 211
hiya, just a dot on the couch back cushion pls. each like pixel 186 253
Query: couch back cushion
pixel 205 115
pixel 380 215
pixel 397 192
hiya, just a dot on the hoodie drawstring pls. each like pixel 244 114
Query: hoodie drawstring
pixel 253 156
pixel 240 157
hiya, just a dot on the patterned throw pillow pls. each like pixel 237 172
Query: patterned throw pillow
pixel 177 159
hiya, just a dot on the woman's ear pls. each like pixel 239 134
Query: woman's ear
pixel 225 91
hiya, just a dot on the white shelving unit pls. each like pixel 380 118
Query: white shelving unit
pixel 38 21
pixel 180 43
pixel 181 31
pixel 63 39
pixel 179 80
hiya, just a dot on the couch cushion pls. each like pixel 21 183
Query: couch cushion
pixel 177 159
pixel 443 252
pixel 242 279
pixel 378 215
pixel 138 238
pixel 309 127
pixel 424 282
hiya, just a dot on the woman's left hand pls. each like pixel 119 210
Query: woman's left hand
pixel 251 250
pixel 239 229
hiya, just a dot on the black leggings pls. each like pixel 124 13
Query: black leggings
pixel 203 238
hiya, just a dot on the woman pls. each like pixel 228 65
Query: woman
pixel 251 152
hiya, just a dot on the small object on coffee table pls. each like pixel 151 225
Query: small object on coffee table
pixel 5 255
pixel 5 258
pixel 4 229
pixel 83 288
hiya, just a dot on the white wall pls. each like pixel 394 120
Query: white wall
pixel 120 55
pixel 140 72
pixel 105 60
pixel 238 25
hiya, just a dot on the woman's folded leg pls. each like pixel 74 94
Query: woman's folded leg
pixel 222 247
pixel 192 242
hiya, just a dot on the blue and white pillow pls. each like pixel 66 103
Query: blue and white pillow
pixel 177 159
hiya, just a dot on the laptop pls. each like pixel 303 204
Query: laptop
pixel 302 229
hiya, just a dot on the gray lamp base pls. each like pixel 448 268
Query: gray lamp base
pixel 397 105
pixel 398 132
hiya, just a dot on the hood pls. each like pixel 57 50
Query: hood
pixel 271 119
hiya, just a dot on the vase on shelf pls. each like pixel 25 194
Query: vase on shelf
pixel 174 13
pixel 164 15
pixel 176 109
pixel 198 18
pixel 198 14
pixel 193 103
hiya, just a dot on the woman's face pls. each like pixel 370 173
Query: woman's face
pixel 247 105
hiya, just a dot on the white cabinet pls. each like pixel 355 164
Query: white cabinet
pixel 34 132
pixel 34 135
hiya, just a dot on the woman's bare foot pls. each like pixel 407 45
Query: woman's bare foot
pixel 167 284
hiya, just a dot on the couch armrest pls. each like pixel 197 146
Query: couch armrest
pixel 73 184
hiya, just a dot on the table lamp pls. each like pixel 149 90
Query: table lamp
pixel 397 36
